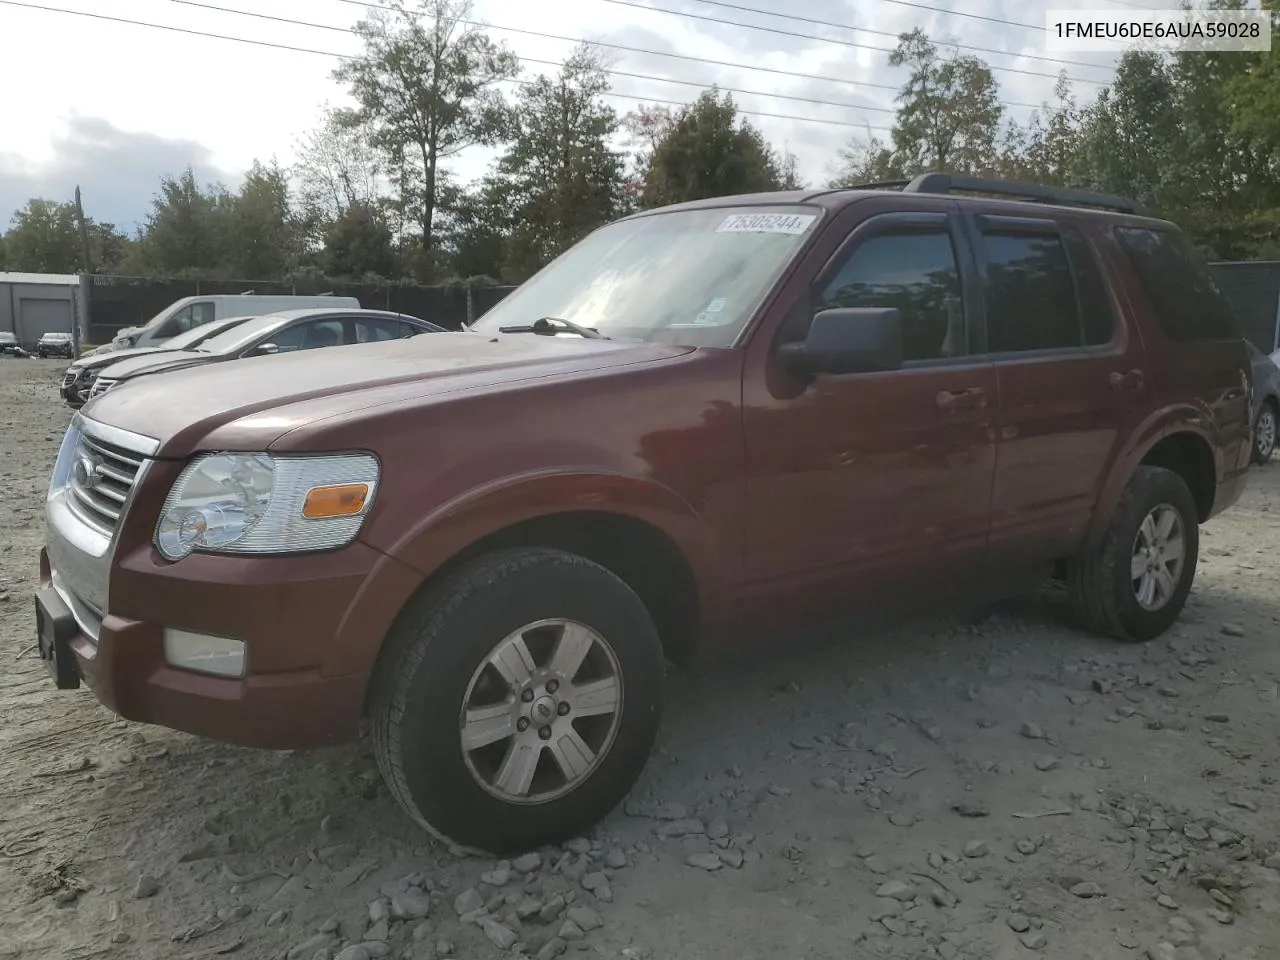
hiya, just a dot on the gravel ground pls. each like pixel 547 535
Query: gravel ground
pixel 1000 788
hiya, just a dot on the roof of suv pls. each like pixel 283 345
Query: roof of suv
pixel 1018 197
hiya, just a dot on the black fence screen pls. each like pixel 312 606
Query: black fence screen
pixel 1253 287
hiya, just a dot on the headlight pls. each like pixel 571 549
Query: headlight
pixel 255 503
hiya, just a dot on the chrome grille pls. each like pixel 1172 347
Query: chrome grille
pixel 69 377
pixel 102 477
pixel 102 385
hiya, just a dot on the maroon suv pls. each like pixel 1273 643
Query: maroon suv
pixel 701 424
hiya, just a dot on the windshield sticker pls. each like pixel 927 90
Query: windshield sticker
pixel 791 223
pixel 716 305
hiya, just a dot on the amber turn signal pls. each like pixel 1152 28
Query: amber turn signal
pixel 335 500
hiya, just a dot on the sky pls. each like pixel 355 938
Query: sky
pixel 114 106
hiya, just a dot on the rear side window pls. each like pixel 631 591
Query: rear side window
pixel 1187 302
pixel 915 272
pixel 1031 297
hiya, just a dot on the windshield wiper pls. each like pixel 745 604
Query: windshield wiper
pixel 546 325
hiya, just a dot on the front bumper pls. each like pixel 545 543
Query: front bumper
pixel 284 701
pixel 312 624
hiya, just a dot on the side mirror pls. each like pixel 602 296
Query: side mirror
pixel 264 349
pixel 848 340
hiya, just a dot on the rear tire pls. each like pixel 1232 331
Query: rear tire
pixel 516 703
pixel 1264 432
pixel 1127 587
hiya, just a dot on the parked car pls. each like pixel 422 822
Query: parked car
pixel 79 378
pixel 55 344
pixel 9 343
pixel 191 312
pixel 1266 403
pixel 699 427
pixel 273 333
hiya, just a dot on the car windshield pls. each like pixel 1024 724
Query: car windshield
pixel 198 334
pixel 688 277
pixel 241 335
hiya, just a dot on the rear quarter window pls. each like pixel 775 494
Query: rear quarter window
pixel 1187 303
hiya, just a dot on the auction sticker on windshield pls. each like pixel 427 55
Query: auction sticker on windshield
pixel 766 223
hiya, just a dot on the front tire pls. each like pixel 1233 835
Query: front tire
pixel 1264 433
pixel 517 702
pixel 1133 585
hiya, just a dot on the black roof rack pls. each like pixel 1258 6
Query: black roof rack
pixel 948 183
pixel 954 183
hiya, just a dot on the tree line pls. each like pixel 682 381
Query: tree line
pixel 1195 137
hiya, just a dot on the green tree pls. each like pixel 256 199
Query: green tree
pixel 480 228
pixel 708 150
pixel 564 177
pixel 789 171
pixel 948 115
pixel 426 89
pixel 359 244
pixel 264 238
pixel 864 160
pixel 44 238
pixel 188 228
pixel 1129 135
pixel 337 168
pixel 1052 148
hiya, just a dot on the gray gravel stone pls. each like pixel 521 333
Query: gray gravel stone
pixel 704 861
pixel 354 952
pixel 584 917
pixel 1047 762
pixel 616 859
pixel 553 948
pixel 570 931
pixel 500 935
pixel 413 904
pixel 552 909
pixel 1087 890
pixel 1018 923
pixel 469 901
pixel 1032 732
pixel 897 890
pixel 687 827
pixel 147 886
pixel 1033 940
pixel 975 849
pixel 308 948
pixel 527 863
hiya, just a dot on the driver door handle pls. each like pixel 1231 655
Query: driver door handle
pixel 973 398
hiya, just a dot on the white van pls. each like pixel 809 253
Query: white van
pixel 191 312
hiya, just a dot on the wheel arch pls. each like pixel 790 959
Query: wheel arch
pixel 1183 447
pixel 641 531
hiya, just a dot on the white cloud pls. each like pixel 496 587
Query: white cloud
pixel 130 98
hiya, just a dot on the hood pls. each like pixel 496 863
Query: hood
pixel 141 360
pixel 96 359
pixel 127 332
pixel 182 408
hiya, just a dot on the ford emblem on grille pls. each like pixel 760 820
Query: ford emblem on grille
pixel 86 472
